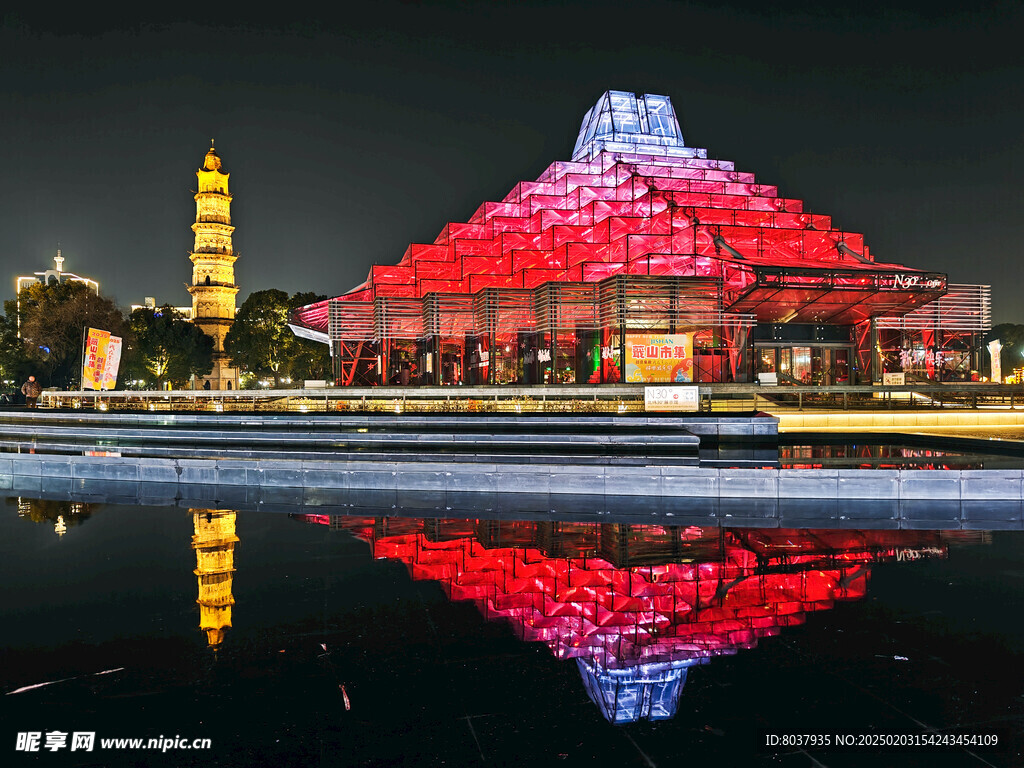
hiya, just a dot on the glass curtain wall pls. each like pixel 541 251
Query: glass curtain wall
pixel 629 328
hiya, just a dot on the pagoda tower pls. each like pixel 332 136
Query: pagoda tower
pixel 214 543
pixel 213 286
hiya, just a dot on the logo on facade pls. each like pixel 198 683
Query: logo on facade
pixel 902 282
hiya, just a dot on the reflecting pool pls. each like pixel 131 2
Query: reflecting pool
pixel 309 640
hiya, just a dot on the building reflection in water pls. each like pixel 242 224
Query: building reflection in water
pixel 214 542
pixel 60 514
pixel 637 605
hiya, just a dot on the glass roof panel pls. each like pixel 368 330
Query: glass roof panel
pixel 621 121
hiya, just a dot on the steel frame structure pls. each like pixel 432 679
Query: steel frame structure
pixel 942 340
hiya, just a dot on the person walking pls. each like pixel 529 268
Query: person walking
pixel 31 389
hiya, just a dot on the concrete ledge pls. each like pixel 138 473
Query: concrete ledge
pixel 693 482
pixel 920 484
pixel 869 484
pixel 667 510
pixel 748 483
pixel 683 429
pixel 990 484
pixel 809 483
pixel 555 480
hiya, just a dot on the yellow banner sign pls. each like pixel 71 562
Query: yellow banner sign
pixel 659 358
pixel 102 360
pixel 95 362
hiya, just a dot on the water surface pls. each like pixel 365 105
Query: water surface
pixel 314 640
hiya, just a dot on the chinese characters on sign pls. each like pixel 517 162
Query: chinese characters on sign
pixel 112 364
pixel 664 358
pixel 101 361
pixel 671 398
pixel 995 348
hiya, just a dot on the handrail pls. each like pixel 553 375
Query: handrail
pixel 607 398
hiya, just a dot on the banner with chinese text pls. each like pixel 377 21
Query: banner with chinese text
pixel 102 360
pixel 995 349
pixel 113 363
pixel 656 358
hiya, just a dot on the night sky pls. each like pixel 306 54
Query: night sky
pixel 351 135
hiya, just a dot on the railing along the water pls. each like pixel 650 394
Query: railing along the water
pixel 628 398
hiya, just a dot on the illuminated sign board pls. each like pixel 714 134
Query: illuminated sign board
pixel 101 360
pixel 913 282
pixel 659 358
pixel 671 398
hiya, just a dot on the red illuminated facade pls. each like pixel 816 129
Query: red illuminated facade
pixel 638 605
pixel 642 244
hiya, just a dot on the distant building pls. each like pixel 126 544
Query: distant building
pixel 150 303
pixel 50 277
pixel 213 286
pixel 55 275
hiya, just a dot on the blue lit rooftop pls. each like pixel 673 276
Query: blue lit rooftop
pixel 631 123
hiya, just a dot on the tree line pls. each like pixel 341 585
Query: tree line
pixel 43 330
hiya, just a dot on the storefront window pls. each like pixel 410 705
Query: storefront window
pixel 842 366
pixel 802 365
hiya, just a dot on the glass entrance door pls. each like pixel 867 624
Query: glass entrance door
pixel 821 365
pixel 841 366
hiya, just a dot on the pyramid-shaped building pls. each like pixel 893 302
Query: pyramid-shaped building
pixel 642 260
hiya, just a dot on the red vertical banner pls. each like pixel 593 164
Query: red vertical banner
pixel 113 363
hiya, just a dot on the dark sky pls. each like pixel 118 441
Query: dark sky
pixel 350 135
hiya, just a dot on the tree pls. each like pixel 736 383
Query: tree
pixel 164 347
pixel 260 341
pixel 310 359
pixel 15 366
pixel 1011 335
pixel 50 511
pixel 54 317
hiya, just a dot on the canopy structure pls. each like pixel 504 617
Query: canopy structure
pixel 635 204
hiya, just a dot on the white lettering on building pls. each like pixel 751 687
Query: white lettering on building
pixel 915 281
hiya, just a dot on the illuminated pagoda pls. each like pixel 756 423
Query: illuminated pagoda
pixel 641 259
pixel 213 259
pixel 637 606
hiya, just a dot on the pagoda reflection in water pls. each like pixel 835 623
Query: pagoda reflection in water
pixel 636 606
pixel 214 542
